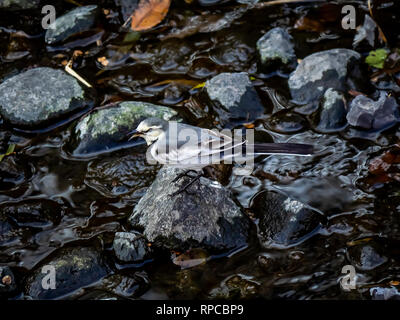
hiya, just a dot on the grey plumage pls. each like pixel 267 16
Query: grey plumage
pixel 186 146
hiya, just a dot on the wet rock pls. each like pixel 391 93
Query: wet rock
pixel 276 47
pixel 130 247
pixel 320 71
pixel 286 122
pixel 124 176
pixel 236 287
pixel 236 99
pixel 75 21
pixel 37 214
pixel 367 257
pixel 75 268
pixel 203 216
pixel 19 4
pixel 283 221
pixel 7 280
pixel 39 96
pixel 366 113
pixel 333 113
pixel 366 35
pixel 384 293
pixel 126 287
pixel 106 129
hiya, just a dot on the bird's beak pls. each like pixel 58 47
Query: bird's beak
pixel 134 134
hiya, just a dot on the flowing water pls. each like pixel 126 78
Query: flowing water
pixel 88 200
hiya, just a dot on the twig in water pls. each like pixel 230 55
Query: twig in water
pixel 74 74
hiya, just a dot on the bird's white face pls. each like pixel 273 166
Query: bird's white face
pixel 149 133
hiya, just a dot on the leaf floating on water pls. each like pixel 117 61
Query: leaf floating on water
pixel 9 151
pixel 149 13
pixel 377 58
pixel 191 258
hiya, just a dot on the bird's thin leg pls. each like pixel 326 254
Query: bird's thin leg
pixel 187 185
pixel 184 174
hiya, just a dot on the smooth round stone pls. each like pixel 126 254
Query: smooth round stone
pixel 78 20
pixel 39 96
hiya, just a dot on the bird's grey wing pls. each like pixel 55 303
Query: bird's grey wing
pixel 189 144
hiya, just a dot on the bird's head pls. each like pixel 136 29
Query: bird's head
pixel 150 129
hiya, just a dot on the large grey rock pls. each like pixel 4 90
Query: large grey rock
pixel 333 111
pixel 276 46
pixel 106 129
pixel 75 21
pixel 366 113
pixel 320 71
pixel 366 34
pixel 75 268
pixel 284 222
pixel 205 215
pixel 19 4
pixel 39 96
pixel 130 247
pixel 238 100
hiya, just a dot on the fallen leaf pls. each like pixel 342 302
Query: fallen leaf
pixel 9 151
pixel 191 258
pixel 377 58
pixel 149 13
pixel 307 24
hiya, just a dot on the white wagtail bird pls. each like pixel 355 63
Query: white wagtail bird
pixel 193 148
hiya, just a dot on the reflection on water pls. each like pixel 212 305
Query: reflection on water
pixel 85 201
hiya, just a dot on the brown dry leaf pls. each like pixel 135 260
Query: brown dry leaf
pixel 307 24
pixel 149 13
pixel 249 125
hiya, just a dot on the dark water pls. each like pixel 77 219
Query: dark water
pixel 89 200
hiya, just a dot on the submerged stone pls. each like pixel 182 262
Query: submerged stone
pixel 40 96
pixel 320 71
pixel 284 222
pixel 75 21
pixel 75 268
pixel 237 100
pixel 107 129
pixel 205 215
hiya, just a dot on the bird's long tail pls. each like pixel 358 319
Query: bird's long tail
pixel 281 148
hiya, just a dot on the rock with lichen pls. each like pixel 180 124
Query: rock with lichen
pixel 107 129
pixel 202 216
pixel 276 48
pixel 41 96
pixel 74 268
